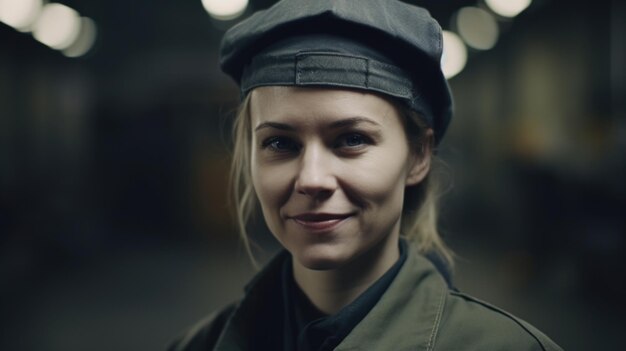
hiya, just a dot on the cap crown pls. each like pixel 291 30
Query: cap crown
pixel 404 33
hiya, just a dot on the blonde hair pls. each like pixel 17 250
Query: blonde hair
pixel 420 209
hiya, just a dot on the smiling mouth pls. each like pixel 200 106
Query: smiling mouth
pixel 320 221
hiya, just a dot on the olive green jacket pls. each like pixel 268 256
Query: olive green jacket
pixel 417 312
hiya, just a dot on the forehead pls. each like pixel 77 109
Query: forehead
pixel 306 105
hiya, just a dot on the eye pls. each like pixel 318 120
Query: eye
pixel 353 140
pixel 280 144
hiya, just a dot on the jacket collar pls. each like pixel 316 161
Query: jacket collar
pixel 248 320
pixel 407 316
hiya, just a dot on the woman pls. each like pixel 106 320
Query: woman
pixel 343 103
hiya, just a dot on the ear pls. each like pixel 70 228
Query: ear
pixel 420 161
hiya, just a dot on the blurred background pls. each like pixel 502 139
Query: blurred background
pixel 115 232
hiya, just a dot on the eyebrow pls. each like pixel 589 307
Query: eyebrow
pixel 276 125
pixel 353 121
pixel 337 124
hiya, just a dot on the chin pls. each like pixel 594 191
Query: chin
pixel 320 264
pixel 321 258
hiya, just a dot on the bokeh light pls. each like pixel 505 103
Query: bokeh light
pixel 454 55
pixel 225 9
pixel 20 14
pixel 508 8
pixel 477 27
pixel 85 39
pixel 58 26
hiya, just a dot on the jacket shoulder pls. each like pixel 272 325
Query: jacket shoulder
pixel 205 333
pixel 471 324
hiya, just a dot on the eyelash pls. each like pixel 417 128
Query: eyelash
pixel 292 146
pixel 270 143
pixel 363 140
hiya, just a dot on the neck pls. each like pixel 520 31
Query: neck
pixel 331 290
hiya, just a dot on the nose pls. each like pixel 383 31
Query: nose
pixel 315 174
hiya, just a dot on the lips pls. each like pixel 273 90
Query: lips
pixel 320 221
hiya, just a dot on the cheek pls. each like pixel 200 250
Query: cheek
pixel 380 179
pixel 271 184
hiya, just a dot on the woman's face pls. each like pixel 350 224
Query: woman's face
pixel 329 168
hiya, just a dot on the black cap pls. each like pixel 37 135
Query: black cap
pixel 385 46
